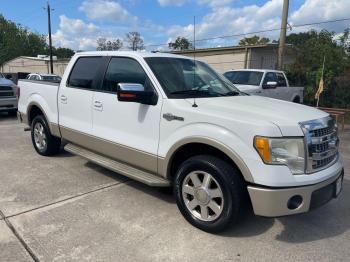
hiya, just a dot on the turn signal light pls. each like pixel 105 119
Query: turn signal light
pixel 262 145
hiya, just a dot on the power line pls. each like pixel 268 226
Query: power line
pixel 260 31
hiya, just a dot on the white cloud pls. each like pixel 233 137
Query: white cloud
pixel 172 2
pixel 317 10
pixel 76 34
pixel 226 20
pixel 223 18
pixel 215 3
pixel 322 10
pixel 106 10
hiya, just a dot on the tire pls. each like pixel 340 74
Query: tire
pixel 44 143
pixel 223 178
pixel 296 100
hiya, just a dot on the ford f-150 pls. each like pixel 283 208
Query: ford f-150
pixel 168 120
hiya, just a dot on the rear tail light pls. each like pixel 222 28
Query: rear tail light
pixel 18 92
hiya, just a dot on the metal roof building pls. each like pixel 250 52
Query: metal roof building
pixel 238 57
pixel 39 64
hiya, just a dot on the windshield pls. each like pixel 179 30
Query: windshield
pixel 244 77
pixel 186 78
pixel 1 76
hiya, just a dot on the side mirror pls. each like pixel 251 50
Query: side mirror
pixel 130 92
pixel 270 85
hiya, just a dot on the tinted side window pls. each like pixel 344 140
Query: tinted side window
pixel 281 80
pixel 84 72
pixel 124 70
pixel 228 75
pixel 270 77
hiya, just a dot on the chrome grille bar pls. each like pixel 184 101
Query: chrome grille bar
pixel 322 142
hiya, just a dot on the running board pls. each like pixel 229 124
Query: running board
pixel 113 165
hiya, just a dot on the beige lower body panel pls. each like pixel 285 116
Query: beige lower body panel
pixel 113 150
pixel 273 202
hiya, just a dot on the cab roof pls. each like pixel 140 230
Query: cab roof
pixel 139 54
pixel 255 70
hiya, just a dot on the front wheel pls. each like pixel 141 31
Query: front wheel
pixel 44 143
pixel 209 192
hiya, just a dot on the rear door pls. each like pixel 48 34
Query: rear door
pixel 75 98
pixel 126 131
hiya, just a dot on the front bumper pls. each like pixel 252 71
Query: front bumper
pixel 274 202
pixel 7 104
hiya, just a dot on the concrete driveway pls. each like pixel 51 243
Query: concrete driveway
pixel 64 208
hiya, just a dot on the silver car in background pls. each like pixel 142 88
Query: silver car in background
pixel 8 96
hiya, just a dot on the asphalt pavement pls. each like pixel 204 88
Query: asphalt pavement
pixel 64 208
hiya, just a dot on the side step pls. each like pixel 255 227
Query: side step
pixel 131 172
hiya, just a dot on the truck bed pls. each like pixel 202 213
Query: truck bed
pixel 44 92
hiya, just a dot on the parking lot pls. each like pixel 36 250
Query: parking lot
pixel 64 208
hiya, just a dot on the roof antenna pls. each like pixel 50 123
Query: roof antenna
pixel 194 58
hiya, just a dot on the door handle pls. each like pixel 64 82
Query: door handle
pixel 63 99
pixel 98 105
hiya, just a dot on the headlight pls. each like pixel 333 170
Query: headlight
pixel 282 151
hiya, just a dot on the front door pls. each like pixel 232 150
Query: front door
pixel 128 131
pixel 270 92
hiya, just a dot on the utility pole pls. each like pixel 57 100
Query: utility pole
pixel 283 33
pixel 48 8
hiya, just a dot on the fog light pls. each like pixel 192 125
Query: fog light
pixel 294 202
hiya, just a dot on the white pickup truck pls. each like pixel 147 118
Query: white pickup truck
pixel 167 120
pixel 269 83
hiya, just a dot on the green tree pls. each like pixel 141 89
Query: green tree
pixel 181 43
pixel 110 45
pixel 254 40
pixel 311 47
pixel 16 40
pixel 62 52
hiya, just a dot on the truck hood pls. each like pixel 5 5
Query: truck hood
pixel 6 82
pixel 285 115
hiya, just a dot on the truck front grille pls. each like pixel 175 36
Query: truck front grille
pixel 6 91
pixel 322 143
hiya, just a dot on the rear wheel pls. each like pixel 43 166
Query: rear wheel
pixel 209 192
pixel 296 100
pixel 44 143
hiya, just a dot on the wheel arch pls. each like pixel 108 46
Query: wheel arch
pixel 297 99
pixel 35 109
pixel 192 146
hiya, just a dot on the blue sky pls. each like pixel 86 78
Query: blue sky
pixel 78 23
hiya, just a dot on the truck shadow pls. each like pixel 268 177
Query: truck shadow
pixel 4 116
pixel 328 221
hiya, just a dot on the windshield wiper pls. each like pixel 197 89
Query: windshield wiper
pixel 195 92
pixel 232 93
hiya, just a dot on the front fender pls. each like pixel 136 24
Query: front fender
pixel 204 133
